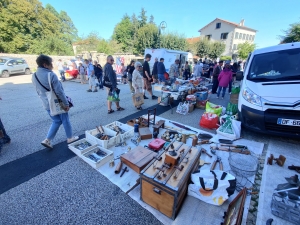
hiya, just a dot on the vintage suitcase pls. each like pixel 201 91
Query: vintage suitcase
pixel 138 158
pixel 164 186
pixel 156 144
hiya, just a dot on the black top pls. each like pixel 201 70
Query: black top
pixel 130 69
pixel 154 71
pixel 146 67
pixel 98 70
pixel 108 71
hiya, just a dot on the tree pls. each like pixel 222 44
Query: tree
pixel 151 19
pixel 89 43
pixel 108 47
pixel 173 41
pixel 216 49
pixel 123 34
pixel 203 47
pixel 147 37
pixel 244 49
pixel 142 18
pixel 292 34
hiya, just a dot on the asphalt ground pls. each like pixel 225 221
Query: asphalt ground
pixel 41 186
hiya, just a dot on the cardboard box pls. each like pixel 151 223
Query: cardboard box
pixel 103 159
pixel 79 148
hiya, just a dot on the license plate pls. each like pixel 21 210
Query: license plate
pixel 288 122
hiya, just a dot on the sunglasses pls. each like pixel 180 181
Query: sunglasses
pixel 140 66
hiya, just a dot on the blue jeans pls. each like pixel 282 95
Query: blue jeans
pixel 62 75
pixel 5 139
pixel 223 91
pixel 99 78
pixel 161 78
pixel 56 122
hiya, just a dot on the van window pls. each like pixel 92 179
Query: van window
pixel 279 65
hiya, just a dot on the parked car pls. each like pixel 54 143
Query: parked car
pixel 269 100
pixel 10 66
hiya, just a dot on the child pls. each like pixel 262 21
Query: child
pixel 224 78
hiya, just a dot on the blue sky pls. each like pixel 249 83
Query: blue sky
pixel 269 17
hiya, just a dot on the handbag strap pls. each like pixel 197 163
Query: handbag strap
pixel 40 82
pixel 216 182
pixel 49 81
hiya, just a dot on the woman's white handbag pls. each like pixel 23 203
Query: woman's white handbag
pixel 54 104
pixel 213 187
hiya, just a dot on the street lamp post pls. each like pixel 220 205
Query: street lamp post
pixel 162 26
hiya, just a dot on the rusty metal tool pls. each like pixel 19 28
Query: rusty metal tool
pixel 205 152
pixel 218 160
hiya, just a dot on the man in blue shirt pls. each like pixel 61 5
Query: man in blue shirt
pixel 160 71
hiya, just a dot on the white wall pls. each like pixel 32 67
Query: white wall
pixel 237 41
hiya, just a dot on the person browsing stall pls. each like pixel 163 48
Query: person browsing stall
pixel 137 80
pixel 147 77
pixel 224 79
pixel 160 71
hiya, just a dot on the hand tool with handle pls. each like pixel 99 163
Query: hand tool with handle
pixel 123 171
pixel 218 160
pixel 205 152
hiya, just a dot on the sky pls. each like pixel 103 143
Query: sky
pixel 269 17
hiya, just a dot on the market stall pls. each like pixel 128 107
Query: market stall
pixel 153 160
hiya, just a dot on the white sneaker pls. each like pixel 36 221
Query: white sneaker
pixel 72 139
pixel 217 97
pixel 230 93
pixel 46 143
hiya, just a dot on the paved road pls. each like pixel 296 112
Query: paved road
pixel 54 186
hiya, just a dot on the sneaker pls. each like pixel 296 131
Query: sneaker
pixel 72 139
pixel 217 96
pixel 89 90
pixel 154 97
pixel 46 143
pixel 95 90
pixel 230 93
pixel 145 97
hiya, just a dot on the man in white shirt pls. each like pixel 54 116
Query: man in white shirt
pixel 91 75
pixel 60 68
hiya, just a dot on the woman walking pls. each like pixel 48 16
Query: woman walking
pixel 137 80
pixel 41 83
pixel 224 79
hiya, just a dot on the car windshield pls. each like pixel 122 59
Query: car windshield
pixel 279 65
pixel 2 61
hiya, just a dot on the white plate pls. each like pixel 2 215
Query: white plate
pixel 288 122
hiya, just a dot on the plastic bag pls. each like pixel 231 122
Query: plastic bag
pixel 209 121
pixel 212 108
pixel 231 109
pixel 182 108
pixel 113 96
pixel 213 187
pixel 235 90
pixel 230 127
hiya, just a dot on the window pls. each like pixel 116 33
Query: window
pixel 240 36
pixel 13 62
pixel 244 36
pixel 224 36
pixel 253 37
pixel 236 35
pixel 208 37
pixel 20 61
pixel 218 25
pixel 247 37
pixel 234 47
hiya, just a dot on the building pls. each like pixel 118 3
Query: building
pixel 230 33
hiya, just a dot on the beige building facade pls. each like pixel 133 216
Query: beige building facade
pixel 229 33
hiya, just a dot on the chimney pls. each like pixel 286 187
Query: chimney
pixel 242 23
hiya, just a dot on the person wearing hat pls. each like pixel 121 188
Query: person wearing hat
pixel 217 70
pixel 224 79
pixel 137 80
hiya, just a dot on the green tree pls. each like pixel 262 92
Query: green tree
pixel 244 49
pixel 225 57
pixel 151 19
pixel 142 18
pixel 203 47
pixel 89 43
pixel 147 37
pixel 292 34
pixel 216 49
pixel 173 41
pixel 108 47
pixel 123 34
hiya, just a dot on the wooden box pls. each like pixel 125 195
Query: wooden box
pixel 145 133
pixel 165 191
pixel 138 158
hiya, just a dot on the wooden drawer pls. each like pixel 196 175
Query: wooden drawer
pixel 158 198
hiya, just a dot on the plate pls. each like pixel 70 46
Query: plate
pixel 288 122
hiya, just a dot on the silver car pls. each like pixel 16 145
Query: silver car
pixel 10 66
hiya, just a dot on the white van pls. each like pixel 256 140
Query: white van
pixel 169 56
pixel 269 100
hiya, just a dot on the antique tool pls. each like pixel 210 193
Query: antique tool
pixel 296 168
pixel 226 141
pixel 280 160
pixel 202 162
pixel 195 141
pixel 204 136
pixel 123 171
pixel 136 140
pixel 229 149
pixel 205 152
pixel 183 127
pixel 202 142
pixel 101 153
pixel 162 170
pixel 118 167
pixel 122 144
pixel 158 158
pixel 138 181
pixel 111 163
pixel 178 170
pixel 218 160
pixel 235 146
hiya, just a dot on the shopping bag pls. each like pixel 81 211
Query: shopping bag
pixel 230 127
pixel 138 99
pixel 182 108
pixel 213 187
pixel 235 90
pixel 113 96
pixel 209 121
pixel 231 109
pixel 212 108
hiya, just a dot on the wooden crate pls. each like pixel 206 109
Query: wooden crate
pixel 167 192
pixel 138 158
